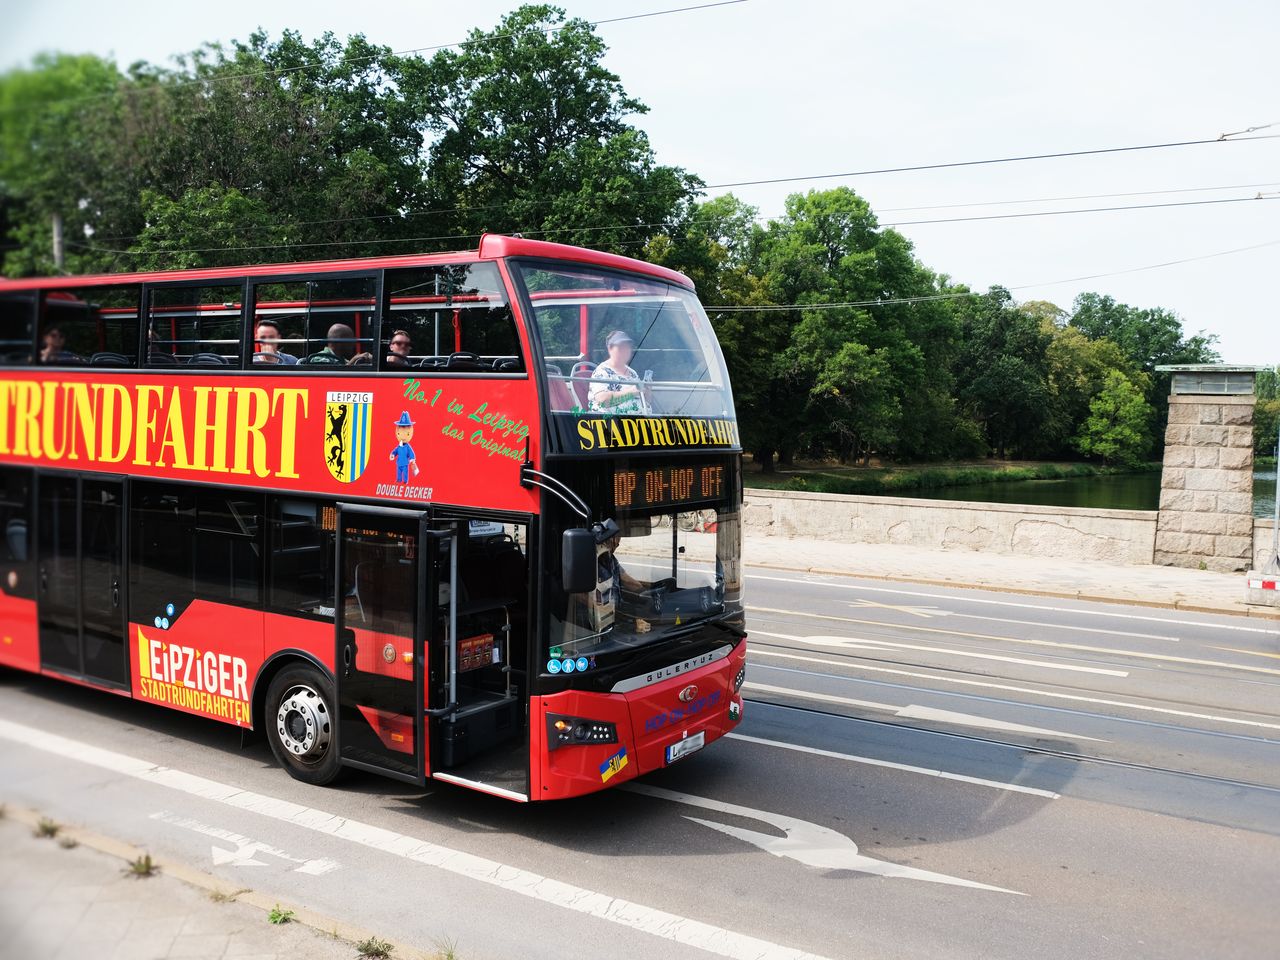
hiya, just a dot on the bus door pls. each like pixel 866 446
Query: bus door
pixel 478 734
pixel 81 577
pixel 381 623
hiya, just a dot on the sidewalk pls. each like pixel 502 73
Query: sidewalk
pixel 64 897
pixel 1146 585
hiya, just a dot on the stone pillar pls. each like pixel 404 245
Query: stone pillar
pixel 1206 488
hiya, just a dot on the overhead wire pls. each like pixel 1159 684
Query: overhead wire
pixel 769 308
pixel 638 226
pixel 289 224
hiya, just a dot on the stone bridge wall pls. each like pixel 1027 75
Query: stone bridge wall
pixel 1112 536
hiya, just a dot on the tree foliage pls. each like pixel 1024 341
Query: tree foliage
pixel 1118 426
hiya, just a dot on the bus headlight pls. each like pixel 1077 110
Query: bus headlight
pixel 565 731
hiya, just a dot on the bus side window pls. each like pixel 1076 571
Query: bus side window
pixel 453 318
pixel 162 540
pixel 194 327
pixel 302 536
pixel 90 326
pixel 320 324
pixel 228 547
pixel 17 313
pixel 15 522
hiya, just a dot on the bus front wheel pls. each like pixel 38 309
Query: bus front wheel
pixel 301 724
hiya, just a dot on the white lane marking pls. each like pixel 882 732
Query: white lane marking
pixel 1056 644
pixel 1025 606
pixel 890 765
pixel 914 712
pixel 866 643
pixel 925 612
pixel 1050 625
pixel 245 847
pixel 863 666
pixel 809 843
pixel 625 913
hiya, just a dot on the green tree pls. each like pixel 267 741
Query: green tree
pixel 530 135
pixel 1002 371
pixel 1118 426
pixel 1077 369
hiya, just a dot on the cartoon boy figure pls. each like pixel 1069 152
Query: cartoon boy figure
pixel 403 454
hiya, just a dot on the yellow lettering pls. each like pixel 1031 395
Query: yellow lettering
pixel 585 439
pixel 82 415
pixel 27 428
pixel 50 422
pixel 615 435
pixel 630 433
pixel 207 429
pixel 292 398
pixel 144 431
pixel 175 436
pixel 6 407
pixel 115 413
pixel 248 432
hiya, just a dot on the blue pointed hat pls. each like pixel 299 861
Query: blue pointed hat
pixel 404 420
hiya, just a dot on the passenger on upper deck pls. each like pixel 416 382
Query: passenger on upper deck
pixel 400 346
pixel 341 348
pixel 615 387
pixel 267 337
pixel 55 347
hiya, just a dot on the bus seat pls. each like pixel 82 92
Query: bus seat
pixel 108 359
pixel 581 388
pixel 158 358
pixel 507 365
pixel 15 533
pixel 207 360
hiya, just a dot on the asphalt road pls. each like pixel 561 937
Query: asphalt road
pixel 920 772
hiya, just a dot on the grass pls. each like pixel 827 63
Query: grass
pixel 446 949
pixel 46 829
pixel 278 916
pixel 221 896
pixel 374 949
pixel 834 478
pixel 141 867
pixel 1264 461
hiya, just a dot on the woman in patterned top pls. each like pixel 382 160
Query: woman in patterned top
pixel 615 387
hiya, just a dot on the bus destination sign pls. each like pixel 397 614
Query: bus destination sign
pixel 647 487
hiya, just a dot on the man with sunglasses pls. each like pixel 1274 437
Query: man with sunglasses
pixel 400 346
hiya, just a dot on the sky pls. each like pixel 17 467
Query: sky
pixel 767 89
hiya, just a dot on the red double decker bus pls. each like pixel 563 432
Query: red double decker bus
pixel 471 517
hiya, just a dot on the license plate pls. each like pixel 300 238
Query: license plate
pixel 686 746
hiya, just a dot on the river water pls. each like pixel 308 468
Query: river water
pixel 1134 491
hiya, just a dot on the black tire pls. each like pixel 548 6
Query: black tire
pixel 300 699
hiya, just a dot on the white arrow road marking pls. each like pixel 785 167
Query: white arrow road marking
pixel 867 643
pixel 808 843
pixel 526 883
pixel 913 712
pixel 245 847
pixel 914 611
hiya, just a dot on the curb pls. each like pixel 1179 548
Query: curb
pixel 320 923
pixel 1187 607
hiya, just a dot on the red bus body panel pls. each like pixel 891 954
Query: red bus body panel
pixel 648 721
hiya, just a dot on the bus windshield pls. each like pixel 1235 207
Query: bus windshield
pixel 660 574
pixel 619 344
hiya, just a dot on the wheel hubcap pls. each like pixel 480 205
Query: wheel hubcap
pixel 302 723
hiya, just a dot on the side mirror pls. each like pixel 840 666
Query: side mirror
pixel 578 561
